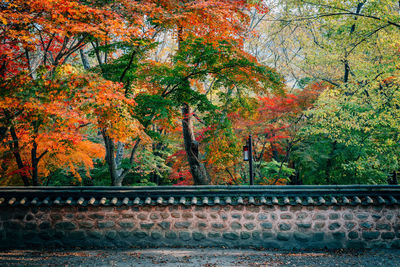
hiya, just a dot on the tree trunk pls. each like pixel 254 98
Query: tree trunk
pixel 85 61
pixel 117 173
pixel 110 159
pixel 15 150
pixel 35 178
pixel 197 168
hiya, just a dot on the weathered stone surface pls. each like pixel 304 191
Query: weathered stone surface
pixel 164 215
pixel 267 235
pixel 80 216
pixel 376 216
pixel 268 208
pixel 56 217
pixel 111 234
pixel 170 235
pixel 370 235
pixel 304 225
pixel 387 235
pixel 356 244
pixel 350 225
pixel 201 215
pixel 302 215
pixel 262 217
pixel 318 236
pixel 283 236
pixel 187 215
pixel 383 226
pixel 286 216
pixel 185 236
pixel 249 226
pixel 164 225
pixel 353 235
pixel 156 235
pixel 236 216
pixel 105 224
pixel 140 234
pixel 95 234
pixel 338 235
pixel 266 225
pixel 126 224
pixel 77 235
pixel 44 225
pixel 301 236
pixel 245 235
pixel 366 225
pixel 214 235
pixel 360 226
pixel 96 216
pixel 217 225
pixel 46 235
pixel 333 216
pixel 86 224
pixel 395 244
pixel 334 226
pixel 146 225
pixel 284 226
pixel 154 216
pixel 248 216
pixel 295 208
pixel 198 236
pixel 124 234
pixel 202 225
pixel 319 217
pixel 362 216
pixel 236 226
pixel 230 236
pixel 142 216
pixel 253 208
pixel 65 226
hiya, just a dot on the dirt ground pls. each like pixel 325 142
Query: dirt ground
pixel 198 257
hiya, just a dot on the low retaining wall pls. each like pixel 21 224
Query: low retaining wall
pixel 260 216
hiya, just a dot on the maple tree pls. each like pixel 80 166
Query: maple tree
pixel 45 103
pixel 215 29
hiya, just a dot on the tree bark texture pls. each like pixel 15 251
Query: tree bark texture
pixel 197 168
pixel 114 156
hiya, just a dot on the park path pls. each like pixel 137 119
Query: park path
pixel 207 257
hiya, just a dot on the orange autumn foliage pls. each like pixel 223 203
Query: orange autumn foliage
pixel 53 124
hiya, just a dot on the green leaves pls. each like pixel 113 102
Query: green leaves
pixel 352 135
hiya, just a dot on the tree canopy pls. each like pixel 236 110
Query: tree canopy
pixel 161 92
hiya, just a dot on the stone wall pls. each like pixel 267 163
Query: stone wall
pixel 267 225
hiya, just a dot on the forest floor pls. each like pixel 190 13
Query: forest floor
pixel 207 257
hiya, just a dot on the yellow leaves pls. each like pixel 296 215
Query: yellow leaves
pixel 66 70
pixel 3 20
